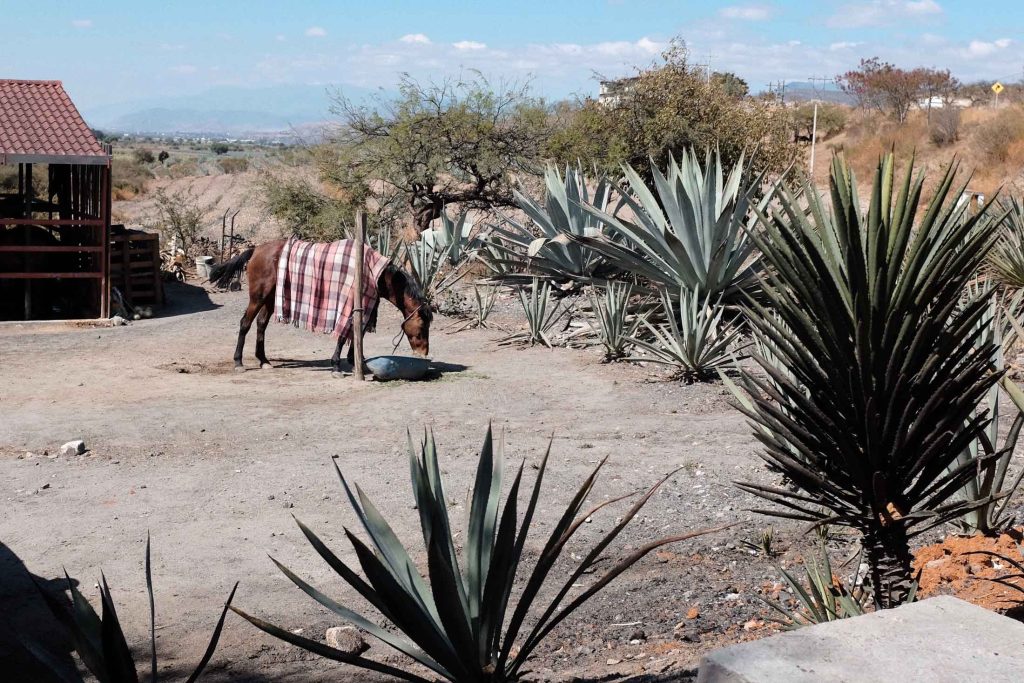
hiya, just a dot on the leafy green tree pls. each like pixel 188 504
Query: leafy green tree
pixel 831 120
pixel 219 148
pixel 731 84
pixel 456 142
pixel 667 109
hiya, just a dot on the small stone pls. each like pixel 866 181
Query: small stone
pixel 118 321
pixel 289 506
pixel 76 447
pixel 613 662
pixel 45 486
pixel 270 497
pixel 347 639
pixel 693 613
pixel 638 635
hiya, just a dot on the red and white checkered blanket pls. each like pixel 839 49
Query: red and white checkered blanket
pixel 316 285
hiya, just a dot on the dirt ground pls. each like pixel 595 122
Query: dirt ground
pixel 214 463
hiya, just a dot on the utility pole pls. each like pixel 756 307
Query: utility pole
pixel 814 121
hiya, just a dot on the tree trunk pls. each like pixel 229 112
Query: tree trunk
pixel 889 564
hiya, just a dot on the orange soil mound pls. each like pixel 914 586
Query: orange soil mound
pixel 948 568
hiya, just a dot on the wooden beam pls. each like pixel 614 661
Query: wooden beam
pixel 51 276
pixel 31 248
pixel 52 222
pixel 357 325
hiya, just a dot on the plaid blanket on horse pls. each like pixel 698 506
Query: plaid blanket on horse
pixel 316 285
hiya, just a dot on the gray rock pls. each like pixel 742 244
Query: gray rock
pixel 76 447
pixel 347 639
pixel 939 639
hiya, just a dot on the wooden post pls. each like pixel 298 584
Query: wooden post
pixel 357 323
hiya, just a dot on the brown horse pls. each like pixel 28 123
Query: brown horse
pixel 394 285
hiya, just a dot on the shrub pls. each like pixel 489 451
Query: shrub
pixel 141 155
pixel 464 625
pixel 865 442
pixel 945 126
pixel 994 137
pixel 129 178
pixel 220 148
pixel 179 218
pixel 233 165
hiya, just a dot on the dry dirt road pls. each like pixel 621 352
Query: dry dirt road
pixel 214 464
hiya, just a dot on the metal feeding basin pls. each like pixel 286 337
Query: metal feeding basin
pixel 385 368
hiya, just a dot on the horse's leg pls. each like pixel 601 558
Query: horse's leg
pixel 261 330
pixel 336 358
pixel 243 329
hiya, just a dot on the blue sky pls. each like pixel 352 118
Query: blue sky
pixel 116 50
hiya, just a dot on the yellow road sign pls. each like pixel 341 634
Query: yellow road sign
pixel 997 87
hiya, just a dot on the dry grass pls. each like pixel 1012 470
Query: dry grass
pixel 990 145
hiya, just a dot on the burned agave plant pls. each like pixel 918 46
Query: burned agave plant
pixel 461 622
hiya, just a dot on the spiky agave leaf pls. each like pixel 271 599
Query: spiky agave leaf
pixel 691 232
pixel 1006 261
pixel 878 369
pixel 693 339
pixel 543 246
pixel 541 313
pixel 454 625
pixel 100 641
pixel 612 314
pixel 821 599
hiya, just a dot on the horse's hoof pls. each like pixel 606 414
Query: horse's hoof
pixel 338 374
pixel 266 366
pixel 239 368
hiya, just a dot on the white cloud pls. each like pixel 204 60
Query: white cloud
pixel 183 69
pixel 316 32
pixel 843 45
pixel 981 48
pixel 745 12
pixel 923 7
pixel 415 38
pixel 882 12
pixel 469 45
pixel 82 23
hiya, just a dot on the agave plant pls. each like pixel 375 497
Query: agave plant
pixel 823 599
pixel 1006 262
pixel 563 215
pixel 541 311
pixel 464 625
pixel 100 642
pixel 694 339
pixel 884 368
pixel 613 325
pixel 989 484
pixel 484 300
pixel 691 234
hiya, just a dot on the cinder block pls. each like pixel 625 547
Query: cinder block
pixel 939 640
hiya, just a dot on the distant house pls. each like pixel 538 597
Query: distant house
pixel 54 207
pixel 611 92
pixel 937 102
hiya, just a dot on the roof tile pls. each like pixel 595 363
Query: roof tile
pixel 38 118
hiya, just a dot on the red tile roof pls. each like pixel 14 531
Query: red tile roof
pixel 38 122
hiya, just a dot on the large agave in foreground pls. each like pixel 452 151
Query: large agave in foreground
pixel 878 369
pixel 691 234
pixel 543 245
pixel 1006 262
pixel 464 625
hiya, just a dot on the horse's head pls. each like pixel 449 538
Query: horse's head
pixel 401 290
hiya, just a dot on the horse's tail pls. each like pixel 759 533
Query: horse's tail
pixel 222 273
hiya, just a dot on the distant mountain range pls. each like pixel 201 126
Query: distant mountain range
pixel 798 91
pixel 227 111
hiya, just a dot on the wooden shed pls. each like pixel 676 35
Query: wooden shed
pixel 54 207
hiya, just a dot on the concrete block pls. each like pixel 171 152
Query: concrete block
pixel 939 640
